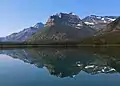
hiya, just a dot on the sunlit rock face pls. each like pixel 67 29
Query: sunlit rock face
pixel 68 19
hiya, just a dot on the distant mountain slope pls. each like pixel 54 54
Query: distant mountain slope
pixel 62 27
pixel 98 22
pixel 113 26
pixel 22 35
pixel 1 39
pixel 109 35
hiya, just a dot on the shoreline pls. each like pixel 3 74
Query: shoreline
pixel 51 45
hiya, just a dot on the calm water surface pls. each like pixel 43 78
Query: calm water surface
pixel 60 67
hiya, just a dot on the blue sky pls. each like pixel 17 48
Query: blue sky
pixel 16 15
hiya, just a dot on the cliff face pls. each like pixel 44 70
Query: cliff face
pixel 64 19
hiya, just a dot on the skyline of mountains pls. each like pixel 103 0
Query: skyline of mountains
pixel 62 26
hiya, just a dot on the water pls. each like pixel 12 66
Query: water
pixel 60 67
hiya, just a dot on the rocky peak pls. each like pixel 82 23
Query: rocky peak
pixel 69 19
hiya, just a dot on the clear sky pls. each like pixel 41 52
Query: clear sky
pixel 16 15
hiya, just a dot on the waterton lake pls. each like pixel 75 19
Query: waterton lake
pixel 84 66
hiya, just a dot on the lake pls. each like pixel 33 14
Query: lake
pixel 85 66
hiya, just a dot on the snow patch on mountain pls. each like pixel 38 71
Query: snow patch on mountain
pixel 89 23
pixel 111 19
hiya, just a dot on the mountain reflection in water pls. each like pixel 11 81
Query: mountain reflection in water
pixel 68 62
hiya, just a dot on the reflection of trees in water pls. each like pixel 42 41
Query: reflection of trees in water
pixel 69 62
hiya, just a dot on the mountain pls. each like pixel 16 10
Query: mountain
pixel 98 22
pixel 22 35
pixel 108 35
pixel 1 38
pixel 113 26
pixel 62 27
